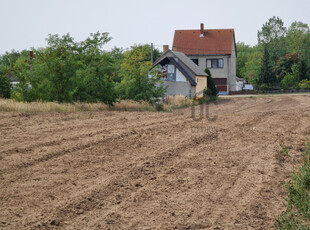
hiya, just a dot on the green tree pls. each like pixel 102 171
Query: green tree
pixel 266 74
pixel 272 30
pixel 117 55
pixel 244 51
pixel 67 71
pixel 303 70
pixel 5 85
pixel 273 34
pixel 298 38
pixel 135 83
pixel 304 84
pixel 9 58
pixel 284 65
pixel 289 81
pixel 211 90
pixel 96 72
pixel 58 63
pixel 21 70
pixel 253 66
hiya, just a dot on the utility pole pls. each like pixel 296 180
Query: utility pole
pixel 152 53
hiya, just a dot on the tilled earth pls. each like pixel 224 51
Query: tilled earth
pixel 146 170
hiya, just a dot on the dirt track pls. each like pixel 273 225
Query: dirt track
pixel 143 170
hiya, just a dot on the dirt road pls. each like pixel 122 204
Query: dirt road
pixel 144 170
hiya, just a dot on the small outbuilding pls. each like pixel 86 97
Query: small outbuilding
pixel 180 74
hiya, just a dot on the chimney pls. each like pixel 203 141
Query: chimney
pixel 165 48
pixel 31 54
pixel 201 30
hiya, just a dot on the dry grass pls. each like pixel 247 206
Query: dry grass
pixel 128 105
pixel 171 103
pixel 177 102
pixel 7 105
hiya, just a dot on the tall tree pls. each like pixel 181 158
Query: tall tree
pixel 266 74
pixel 243 51
pixel 5 86
pixel 272 30
pixel 273 33
pixel 135 83
pixel 96 71
pixel 58 63
pixel 284 65
pixel 252 65
pixel 298 38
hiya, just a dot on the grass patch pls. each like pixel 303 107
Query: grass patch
pixel 177 102
pixel 171 103
pixel 284 152
pixel 128 105
pixel 8 105
pixel 297 214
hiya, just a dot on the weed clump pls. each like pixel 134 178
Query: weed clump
pixel 297 214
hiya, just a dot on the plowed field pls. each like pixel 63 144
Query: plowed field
pixel 146 170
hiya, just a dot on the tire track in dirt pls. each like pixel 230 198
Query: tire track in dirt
pixel 161 159
pixel 7 152
pixel 89 199
pixel 249 193
pixel 163 176
pixel 133 137
pixel 79 147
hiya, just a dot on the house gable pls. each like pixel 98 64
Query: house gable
pixel 186 66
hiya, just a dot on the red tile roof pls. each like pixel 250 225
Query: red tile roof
pixel 213 42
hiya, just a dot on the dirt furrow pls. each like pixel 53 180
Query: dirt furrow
pixel 140 170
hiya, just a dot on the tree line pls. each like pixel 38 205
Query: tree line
pixel 68 71
pixel 281 59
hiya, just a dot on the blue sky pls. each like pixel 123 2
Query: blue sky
pixel 26 24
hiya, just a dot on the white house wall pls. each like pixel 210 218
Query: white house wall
pixel 216 73
pixel 229 66
pixel 174 88
pixel 179 76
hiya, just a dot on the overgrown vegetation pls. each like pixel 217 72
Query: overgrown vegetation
pixel 177 102
pixel 297 214
pixel 67 71
pixel 171 103
pixel 281 59
pixel 8 105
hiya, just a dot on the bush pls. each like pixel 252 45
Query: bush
pixel 208 95
pixel 304 84
pixel 289 81
pixel 211 90
pixel 264 87
pixel 5 87
pixel 297 214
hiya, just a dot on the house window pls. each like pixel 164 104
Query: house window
pixel 215 63
pixel 195 60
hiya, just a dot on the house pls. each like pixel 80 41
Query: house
pixel 215 49
pixel 180 74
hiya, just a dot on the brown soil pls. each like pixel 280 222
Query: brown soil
pixel 144 170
